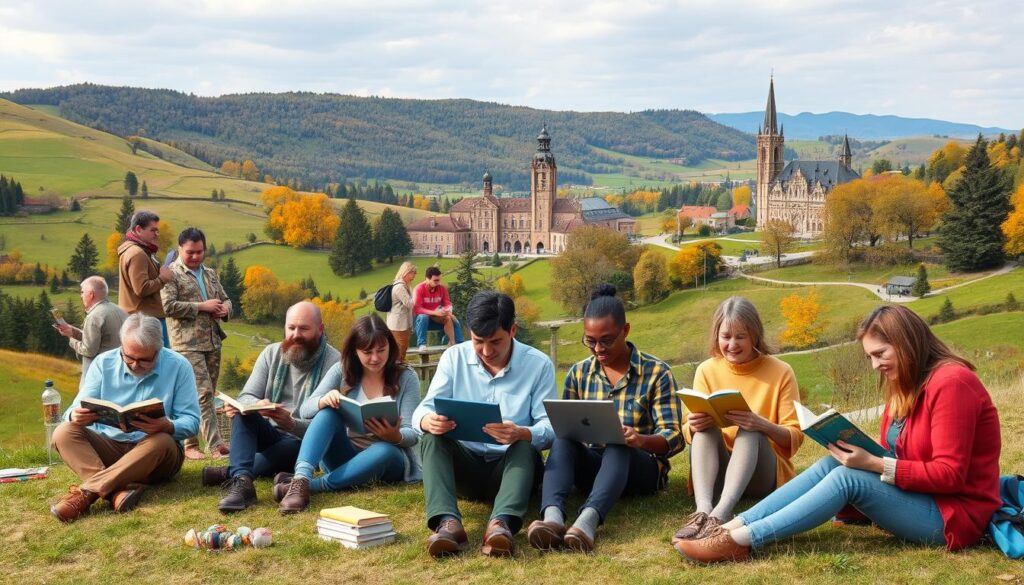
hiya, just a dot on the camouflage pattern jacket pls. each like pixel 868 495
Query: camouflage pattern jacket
pixel 188 328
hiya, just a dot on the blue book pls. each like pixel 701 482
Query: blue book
pixel 470 418
pixel 831 427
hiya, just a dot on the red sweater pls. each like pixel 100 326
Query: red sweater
pixel 949 448
pixel 423 300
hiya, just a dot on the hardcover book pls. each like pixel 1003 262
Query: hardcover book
pixel 470 418
pixel 122 417
pixel 831 426
pixel 716 404
pixel 355 413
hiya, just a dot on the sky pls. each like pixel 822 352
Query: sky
pixel 955 61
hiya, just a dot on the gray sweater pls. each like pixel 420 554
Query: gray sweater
pixel 257 387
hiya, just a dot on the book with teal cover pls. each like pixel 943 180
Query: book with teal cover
pixel 831 427
pixel 355 413
pixel 470 418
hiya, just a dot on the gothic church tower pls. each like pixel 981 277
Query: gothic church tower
pixel 770 142
pixel 543 191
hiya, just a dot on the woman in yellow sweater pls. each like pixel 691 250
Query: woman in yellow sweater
pixel 752 456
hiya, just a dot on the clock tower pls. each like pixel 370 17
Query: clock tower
pixel 543 191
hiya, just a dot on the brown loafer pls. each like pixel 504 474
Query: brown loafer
pixel 127 499
pixel 75 503
pixel 497 540
pixel 449 538
pixel 296 499
pixel 577 541
pixel 716 548
pixel 691 527
pixel 545 536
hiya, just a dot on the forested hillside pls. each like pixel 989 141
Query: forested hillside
pixel 323 138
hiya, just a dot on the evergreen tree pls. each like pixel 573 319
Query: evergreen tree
pixel 54 285
pixel 970 234
pixel 223 195
pixel 213 195
pixel 946 312
pixel 124 215
pixel 145 190
pixel 466 283
pixel 433 206
pixel 1011 301
pixel 38 275
pixel 390 239
pixel 131 183
pixel 64 280
pixel 352 251
pixel 83 261
pixel 231 280
pixel 921 286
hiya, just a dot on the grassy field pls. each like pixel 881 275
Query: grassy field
pixel 937 273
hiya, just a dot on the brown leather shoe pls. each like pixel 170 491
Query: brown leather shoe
pixel 75 503
pixel 691 527
pixel 545 536
pixel 281 482
pixel 214 475
pixel 497 540
pixel 296 499
pixel 709 529
pixel 127 499
pixel 713 549
pixel 577 541
pixel 449 538
pixel 194 453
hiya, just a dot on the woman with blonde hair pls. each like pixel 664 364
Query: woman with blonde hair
pixel 752 455
pixel 938 483
pixel 400 316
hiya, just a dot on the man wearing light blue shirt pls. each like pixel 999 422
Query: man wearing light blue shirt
pixel 114 464
pixel 491 367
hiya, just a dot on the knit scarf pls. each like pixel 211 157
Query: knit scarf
pixel 131 237
pixel 281 374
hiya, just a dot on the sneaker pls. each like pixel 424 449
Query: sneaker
pixel 127 499
pixel 296 499
pixel 214 475
pixel 714 549
pixel 239 494
pixel 75 503
pixel 281 481
pixel 449 538
pixel 691 527
pixel 194 453
pixel 497 540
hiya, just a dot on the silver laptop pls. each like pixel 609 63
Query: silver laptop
pixel 586 421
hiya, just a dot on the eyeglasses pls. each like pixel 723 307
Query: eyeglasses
pixel 604 342
pixel 136 362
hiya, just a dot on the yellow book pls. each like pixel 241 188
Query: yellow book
pixel 715 404
pixel 354 516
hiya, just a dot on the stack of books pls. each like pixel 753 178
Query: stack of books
pixel 14 474
pixel 354 527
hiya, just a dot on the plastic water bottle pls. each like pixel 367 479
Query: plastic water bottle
pixel 51 415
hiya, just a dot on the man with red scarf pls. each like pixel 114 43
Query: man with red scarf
pixel 140 274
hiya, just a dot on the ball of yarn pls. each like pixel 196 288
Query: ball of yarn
pixel 245 533
pixel 192 538
pixel 232 541
pixel 262 538
pixel 217 528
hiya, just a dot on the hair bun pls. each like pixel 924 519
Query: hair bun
pixel 603 290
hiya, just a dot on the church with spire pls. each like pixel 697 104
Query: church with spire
pixel 538 224
pixel 796 191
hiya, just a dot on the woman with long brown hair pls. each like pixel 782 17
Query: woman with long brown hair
pixel 938 483
pixel 369 369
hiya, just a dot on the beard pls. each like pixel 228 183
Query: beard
pixel 299 352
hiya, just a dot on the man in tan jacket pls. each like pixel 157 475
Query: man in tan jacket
pixel 140 275
pixel 101 329
pixel 195 303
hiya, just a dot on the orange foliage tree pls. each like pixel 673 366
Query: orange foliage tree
pixel 511 285
pixel 306 222
pixel 337 318
pixel 1013 227
pixel 265 297
pixel 801 313
pixel 693 263
pixel 741 195
pixel 113 241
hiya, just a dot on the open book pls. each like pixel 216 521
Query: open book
pixel 715 404
pixel 244 408
pixel 122 417
pixel 355 413
pixel 831 426
pixel 58 316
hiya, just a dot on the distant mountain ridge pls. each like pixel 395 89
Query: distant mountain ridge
pixel 326 137
pixel 808 126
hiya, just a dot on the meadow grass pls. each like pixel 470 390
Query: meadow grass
pixel 813 272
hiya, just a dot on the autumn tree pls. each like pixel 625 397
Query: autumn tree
pixel 650 277
pixel 167 240
pixel 337 318
pixel 683 222
pixel 511 285
pixel 390 239
pixel 741 195
pixel 266 298
pixel 778 236
pixel 1013 227
pixel 849 219
pixel 83 261
pixel 305 222
pixel 352 251
pixel 904 207
pixel 971 236
pixel 114 240
pixel 124 216
pixel 944 162
pixel 131 183
pixel 697 263
pixel 802 315
pixel 274 196
pixel 591 254
pixel 231 168
pixel 249 171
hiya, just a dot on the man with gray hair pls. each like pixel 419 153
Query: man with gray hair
pixel 112 463
pixel 267 442
pixel 103 319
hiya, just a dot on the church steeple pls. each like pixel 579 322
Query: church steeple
pixel 771 126
pixel 770 151
pixel 846 156
pixel 487 184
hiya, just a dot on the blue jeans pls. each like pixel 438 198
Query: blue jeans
pixel 424 323
pixel 815 495
pixel 326 442
pixel 258 449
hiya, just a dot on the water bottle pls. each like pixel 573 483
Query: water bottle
pixel 51 415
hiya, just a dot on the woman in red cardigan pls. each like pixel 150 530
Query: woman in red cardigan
pixel 939 483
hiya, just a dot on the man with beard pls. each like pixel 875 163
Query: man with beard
pixel 267 442
pixel 115 464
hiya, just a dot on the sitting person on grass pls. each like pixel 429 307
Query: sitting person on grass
pixel 644 393
pixel 117 465
pixel 939 483
pixel 369 369
pixel 752 457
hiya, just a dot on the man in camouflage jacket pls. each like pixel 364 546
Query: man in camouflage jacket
pixel 195 303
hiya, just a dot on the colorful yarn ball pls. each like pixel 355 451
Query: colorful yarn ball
pixel 262 538
pixel 192 538
pixel 217 528
pixel 245 533
pixel 232 542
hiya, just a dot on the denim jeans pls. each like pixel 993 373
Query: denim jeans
pixel 815 495
pixel 424 323
pixel 326 442
pixel 258 449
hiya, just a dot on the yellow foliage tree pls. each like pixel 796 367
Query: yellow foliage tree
pixel 275 196
pixel 527 312
pixel 802 319
pixel 692 263
pixel 777 238
pixel 265 297
pixel 511 285
pixel 305 222
pixel 249 171
pixel 231 168
pixel 113 241
pixel 166 240
pixel 741 195
pixel 1013 227
pixel 338 319
pixel 905 207
pixel 650 277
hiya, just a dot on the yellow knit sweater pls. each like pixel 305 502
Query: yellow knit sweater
pixel 769 387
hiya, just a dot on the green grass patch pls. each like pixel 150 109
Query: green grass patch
pixel 858 273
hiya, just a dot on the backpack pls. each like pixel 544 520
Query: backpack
pixel 1007 525
pixel 382 298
